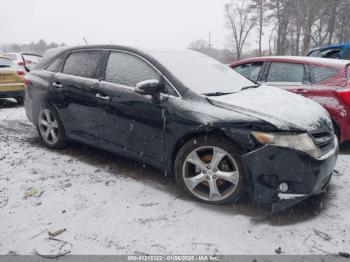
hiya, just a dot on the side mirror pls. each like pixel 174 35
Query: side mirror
pixel 149 87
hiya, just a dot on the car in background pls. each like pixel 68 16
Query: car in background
pixel 189 115
pixel 326 81
pixel 333 51
pixel 24 61
pixel 11 83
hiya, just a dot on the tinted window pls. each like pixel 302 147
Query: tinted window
pixel 286 72
pixel 55 65
pixel 346 54
pixel 82 63
pixel 5 62
pixel 320 73
pixel 250 71
pixel 128 70
pixel 331 53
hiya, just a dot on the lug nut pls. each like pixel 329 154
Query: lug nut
pixel 215 170
pixel 204 172
pixel 207 177
pixel 208 167
pixel 215 177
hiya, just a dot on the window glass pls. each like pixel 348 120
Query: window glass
pixel 315 53
pixel 321 73
pixel 250 71
pixel 11 56
pixel 82 63
pixel 126 69
pixel 331 53
pixel 286 72
pixel 347 53
pixel 55 65
pixel 4 62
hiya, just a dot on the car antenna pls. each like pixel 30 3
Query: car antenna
pixel 85 40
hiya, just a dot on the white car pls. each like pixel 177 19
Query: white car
pixel 23 60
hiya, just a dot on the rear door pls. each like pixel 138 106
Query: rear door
pixel 76 86
pixel 292 77
pixel 130 122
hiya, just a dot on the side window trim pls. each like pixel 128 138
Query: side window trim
pixel 103 76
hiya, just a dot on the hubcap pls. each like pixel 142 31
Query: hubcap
pixel 48 126
pixel 210 173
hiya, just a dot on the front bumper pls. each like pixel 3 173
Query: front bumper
pixel 269 166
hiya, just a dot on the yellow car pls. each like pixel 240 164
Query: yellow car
pixel 11 81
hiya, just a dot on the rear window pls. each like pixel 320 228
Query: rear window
pixel 321 73
pixel 82 63
pixel 13 57
pixel 286 72
pixel 5 62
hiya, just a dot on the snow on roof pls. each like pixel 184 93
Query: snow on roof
pixel 304 59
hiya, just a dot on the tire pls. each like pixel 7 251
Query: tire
pixel 20 100
pixel 50 128
pixel 204 179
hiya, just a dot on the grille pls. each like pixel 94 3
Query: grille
pixel 324 140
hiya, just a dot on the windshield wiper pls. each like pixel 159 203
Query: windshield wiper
pixel 249 87
pixel 218 93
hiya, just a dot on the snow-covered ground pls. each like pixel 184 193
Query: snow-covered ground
pixel 110 205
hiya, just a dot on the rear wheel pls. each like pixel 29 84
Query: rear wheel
pixel 20 100
pixel 51 129
pixel 210 170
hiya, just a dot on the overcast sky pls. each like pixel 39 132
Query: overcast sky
pixel 172 23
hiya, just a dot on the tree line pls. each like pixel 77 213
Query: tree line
pixel 35 47
pixel 284 27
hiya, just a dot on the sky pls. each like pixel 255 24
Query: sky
pixel 170 23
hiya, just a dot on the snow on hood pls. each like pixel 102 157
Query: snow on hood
pixel 283 109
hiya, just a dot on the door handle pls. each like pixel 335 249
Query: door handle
pixel 57 85
pixel 99 96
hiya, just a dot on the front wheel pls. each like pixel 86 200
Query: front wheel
pixel 209 169
pixel 50 128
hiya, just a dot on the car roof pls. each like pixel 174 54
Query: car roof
pixel 338 63
pixel 330 46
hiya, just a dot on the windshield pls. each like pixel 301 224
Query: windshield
pixel 200 73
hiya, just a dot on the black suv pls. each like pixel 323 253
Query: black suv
pixel 218 133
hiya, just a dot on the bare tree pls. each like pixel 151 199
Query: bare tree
pixel 260 8
pixel 240 23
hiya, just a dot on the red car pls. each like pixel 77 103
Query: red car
pixel 326 81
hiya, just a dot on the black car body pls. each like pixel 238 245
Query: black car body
pixel 92 91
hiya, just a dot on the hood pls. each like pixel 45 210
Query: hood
pixel 285 110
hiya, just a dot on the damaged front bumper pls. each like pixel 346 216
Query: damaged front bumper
pixel 270 166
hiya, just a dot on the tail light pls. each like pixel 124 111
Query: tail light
pixel 29 62
pixel 20 63
pixel 20 72
pixel 26 82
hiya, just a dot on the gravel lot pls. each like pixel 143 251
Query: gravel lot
pixel 110 205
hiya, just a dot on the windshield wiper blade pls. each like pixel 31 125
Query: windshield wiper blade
pixel 218 93
pixel 249 87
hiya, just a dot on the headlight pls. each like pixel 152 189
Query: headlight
pixel 300 142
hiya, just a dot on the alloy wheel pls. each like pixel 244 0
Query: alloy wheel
pixel 48 127
pixel 211 173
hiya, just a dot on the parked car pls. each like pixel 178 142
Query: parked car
pixel 217 132
pixel 23 60
pixel 332 51
pixel 326 81
pixel 11 83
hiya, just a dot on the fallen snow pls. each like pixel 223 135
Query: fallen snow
pixel 110 205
